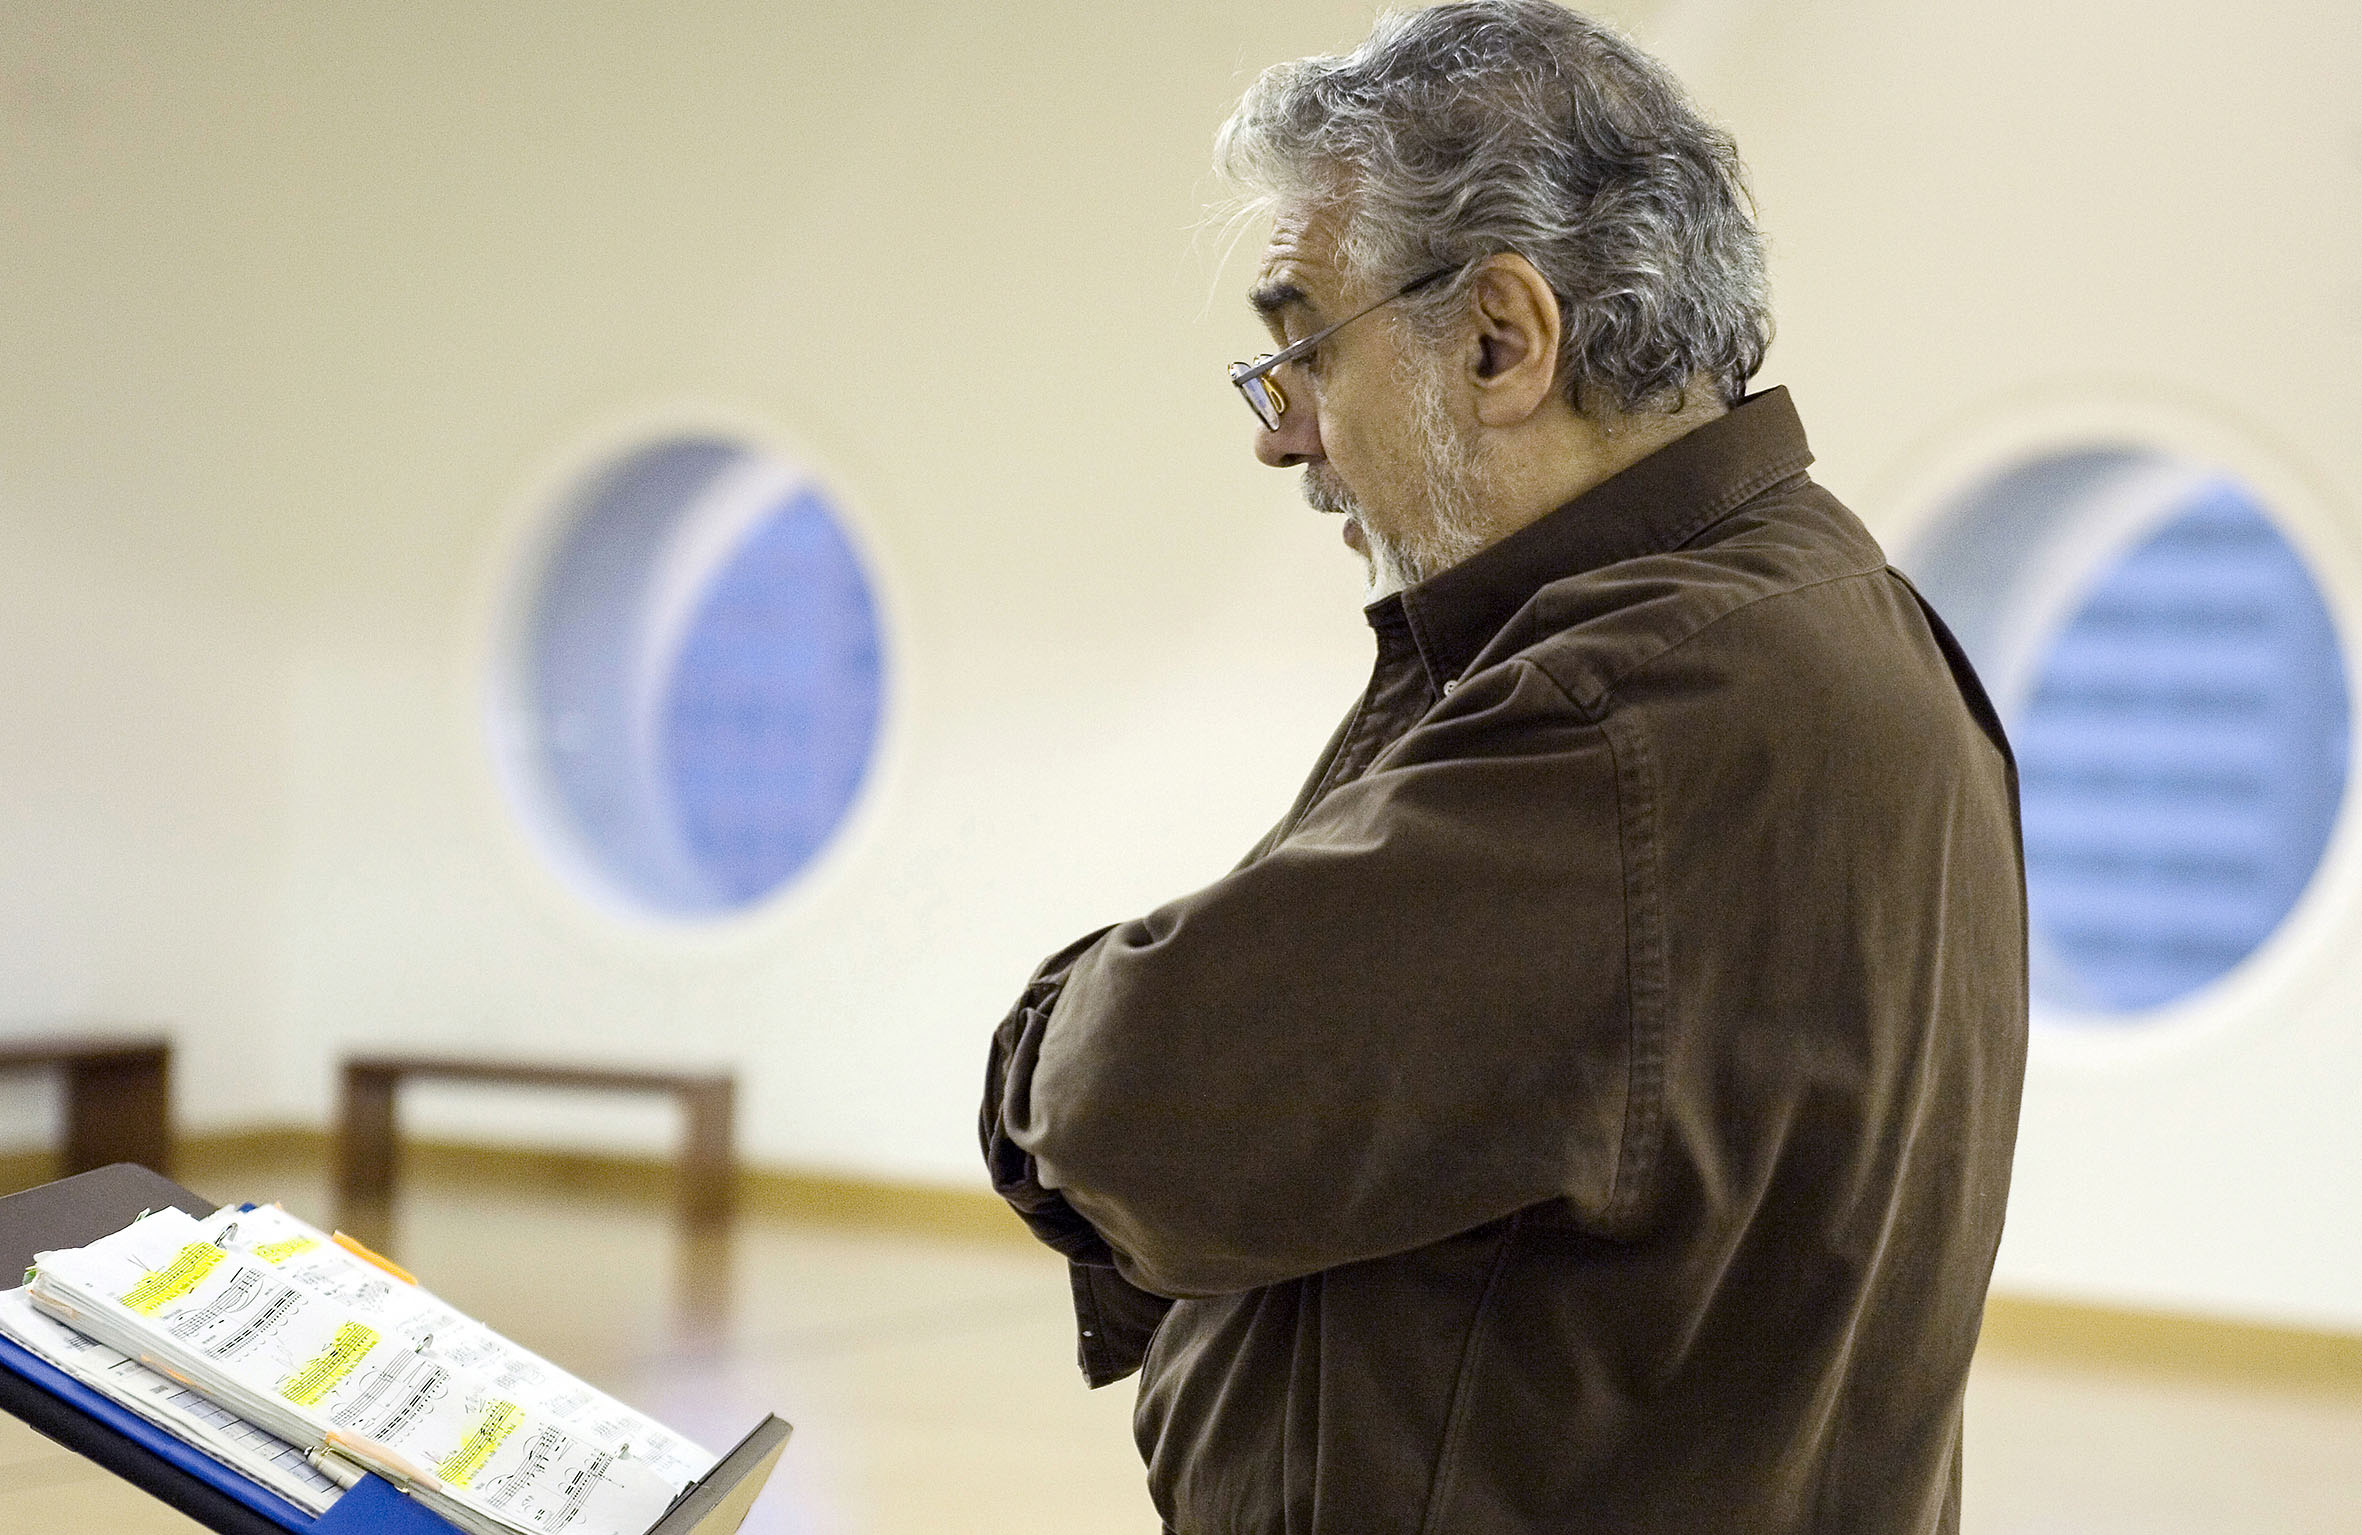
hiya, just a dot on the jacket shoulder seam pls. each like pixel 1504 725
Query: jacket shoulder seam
pixel 1632 773
pixel 1611 683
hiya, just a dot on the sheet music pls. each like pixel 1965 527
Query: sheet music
pixel 273 1318
pixel 242 1446
pixel 312 1257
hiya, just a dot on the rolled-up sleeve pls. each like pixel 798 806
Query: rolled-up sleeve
pixel 1408 1018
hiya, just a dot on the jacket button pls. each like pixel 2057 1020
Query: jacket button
pixel 1447 687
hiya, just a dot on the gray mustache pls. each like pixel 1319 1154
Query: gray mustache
pixel 1324 494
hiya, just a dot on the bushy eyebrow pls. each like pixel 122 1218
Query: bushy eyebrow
pixel 1270 298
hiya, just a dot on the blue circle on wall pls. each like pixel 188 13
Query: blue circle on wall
pixel 702 676
pixel 2175 689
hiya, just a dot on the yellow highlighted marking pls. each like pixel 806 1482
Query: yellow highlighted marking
pixel 350 1345
pixel 500 1420
pixel 280 1252
pixel 184 1273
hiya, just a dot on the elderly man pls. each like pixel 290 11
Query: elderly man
pixel 1591 1107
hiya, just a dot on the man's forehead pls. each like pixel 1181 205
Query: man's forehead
pixel 1298 268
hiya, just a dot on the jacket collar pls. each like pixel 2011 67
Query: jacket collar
pixel 1655 505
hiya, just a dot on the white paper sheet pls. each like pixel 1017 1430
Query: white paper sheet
pixel 270 1317
pixel 254 1452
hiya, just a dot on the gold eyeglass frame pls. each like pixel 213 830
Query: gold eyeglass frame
pixel 1262 392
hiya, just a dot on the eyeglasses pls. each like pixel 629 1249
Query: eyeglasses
pixel 1262 392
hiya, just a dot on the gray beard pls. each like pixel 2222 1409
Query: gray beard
pixel 1447 529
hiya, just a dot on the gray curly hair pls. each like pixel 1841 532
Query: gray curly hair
pixel 1486 126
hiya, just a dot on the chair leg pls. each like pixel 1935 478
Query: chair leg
pixel 709 1173
pixel 365 1137
pixel 119 1109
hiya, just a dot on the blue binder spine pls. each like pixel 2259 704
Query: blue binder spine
pixel 370 1507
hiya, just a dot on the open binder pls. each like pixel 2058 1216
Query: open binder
pixel 82 1209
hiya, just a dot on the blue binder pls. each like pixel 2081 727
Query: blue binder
pixel 83 1208
pixel 370 1505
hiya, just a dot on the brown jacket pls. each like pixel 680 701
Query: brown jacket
pixel 1591 1108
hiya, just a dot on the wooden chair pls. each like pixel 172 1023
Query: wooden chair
pixel 118 1091
pixel 366 1135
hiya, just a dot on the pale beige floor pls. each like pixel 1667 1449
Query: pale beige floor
pixel 933 1392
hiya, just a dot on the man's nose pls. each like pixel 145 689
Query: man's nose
pixel 1295 441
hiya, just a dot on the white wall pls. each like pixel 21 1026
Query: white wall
pixel 2024 224
pixel 142 786
pixel 307 302
pixel 305 306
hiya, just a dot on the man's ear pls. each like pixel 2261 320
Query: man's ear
pixel 1514 371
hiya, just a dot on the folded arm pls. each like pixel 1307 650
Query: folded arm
pixel 1407 1019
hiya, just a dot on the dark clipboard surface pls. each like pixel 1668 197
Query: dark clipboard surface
pixel 717 1505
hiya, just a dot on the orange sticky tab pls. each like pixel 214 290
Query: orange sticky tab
pixel 165 1368
pixel 368 1452
pixel 363 1253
